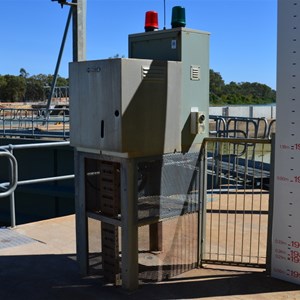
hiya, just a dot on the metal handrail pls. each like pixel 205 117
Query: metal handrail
pixel 14 182
pixel 233 140
pixel 13 175
pixel 34 122
pixel 227 121
pixel 35 145
pixel 271 128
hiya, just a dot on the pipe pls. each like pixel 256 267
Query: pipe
pixel 58 61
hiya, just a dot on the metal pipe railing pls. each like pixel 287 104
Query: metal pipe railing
pixel 10 187
pixel 253 127
pixel 34 122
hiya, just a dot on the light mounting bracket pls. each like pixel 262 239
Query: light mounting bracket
pixel 64 2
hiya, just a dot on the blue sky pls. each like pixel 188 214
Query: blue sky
pixel 242 47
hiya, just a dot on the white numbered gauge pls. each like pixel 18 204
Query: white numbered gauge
pixel 285 262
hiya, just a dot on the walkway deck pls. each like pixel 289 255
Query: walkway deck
pixel 38 261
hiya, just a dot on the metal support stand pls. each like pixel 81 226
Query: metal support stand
pixel 81 218
pixel 129 220
pixel 128 223
pixel 156 237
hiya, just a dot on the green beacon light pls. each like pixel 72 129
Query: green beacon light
pixel 178 17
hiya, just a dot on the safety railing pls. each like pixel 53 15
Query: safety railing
pixel 222 126
pixel 235 201
pixel 34 123
pixel 7 189
pixel 13 174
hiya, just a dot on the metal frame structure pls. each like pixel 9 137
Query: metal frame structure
pixel 32 123
pixel 129 220
pixel 236 220
pixel 151 209
pixel 78 15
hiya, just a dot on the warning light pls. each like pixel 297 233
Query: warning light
pixel 151 21
pixel 178 17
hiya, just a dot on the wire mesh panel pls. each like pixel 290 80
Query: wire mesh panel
pixel 235 223
pixel 95 248
pixel 178 253
pixel 168 207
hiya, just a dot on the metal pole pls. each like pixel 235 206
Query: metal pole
pixel 12 205
pixel 164 14
pixel 59 60
pixel 129 221
pixel 202 199
pixel 12 210
pixel 82 248
pixel 271 208
pixel 12 202
pixel 79 30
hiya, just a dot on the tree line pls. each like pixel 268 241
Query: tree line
pixel 23 88
pixel 238 93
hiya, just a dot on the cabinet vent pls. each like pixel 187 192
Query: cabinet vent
pixel 153 73
pixel 195 72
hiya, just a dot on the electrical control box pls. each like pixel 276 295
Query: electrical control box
pixel 191 48
pixel 128 107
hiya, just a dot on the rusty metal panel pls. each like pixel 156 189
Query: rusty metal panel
pixel 110 253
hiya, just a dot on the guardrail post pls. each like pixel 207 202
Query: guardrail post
pixel 12 210
pixel 271 208
pixel 13 180
pixel 202 199
pixel 12 198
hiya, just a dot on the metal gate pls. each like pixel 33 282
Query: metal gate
pixel 235 201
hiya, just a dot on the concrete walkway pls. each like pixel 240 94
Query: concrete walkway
pixel 38 261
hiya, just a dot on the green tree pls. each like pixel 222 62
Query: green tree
pixel 238 93
pixel 62 81
pixel 216 83
pixel 15 88
pixel 35 90
pixel 23 73
pixel 2 87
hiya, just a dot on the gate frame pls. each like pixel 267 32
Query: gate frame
pixel 203 202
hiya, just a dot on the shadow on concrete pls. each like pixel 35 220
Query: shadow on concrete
pixel 57 277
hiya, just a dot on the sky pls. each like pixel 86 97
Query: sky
pixel 243 34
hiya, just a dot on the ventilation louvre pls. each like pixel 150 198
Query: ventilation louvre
pixel 153 73
pixel 195 72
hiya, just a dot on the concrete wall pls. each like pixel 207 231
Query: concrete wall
pixel 252 111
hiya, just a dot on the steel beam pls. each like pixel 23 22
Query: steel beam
pixel 79 30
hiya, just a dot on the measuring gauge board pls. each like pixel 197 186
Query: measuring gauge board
pixel 285 261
